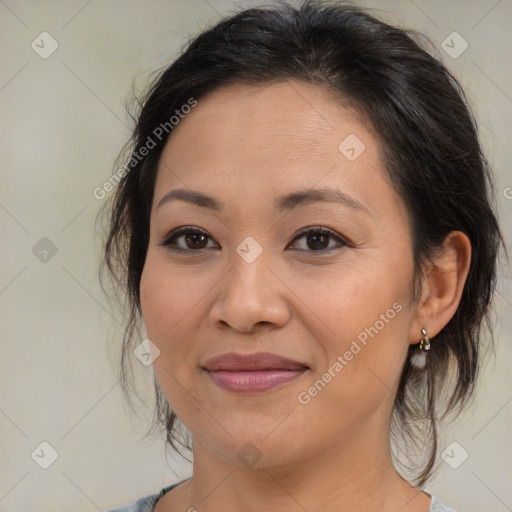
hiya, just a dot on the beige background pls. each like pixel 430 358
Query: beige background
pixel 62 124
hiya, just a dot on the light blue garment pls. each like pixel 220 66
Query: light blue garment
pixel 147 503
pixel 437 506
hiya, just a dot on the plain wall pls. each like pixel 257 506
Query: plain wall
pixel 62 125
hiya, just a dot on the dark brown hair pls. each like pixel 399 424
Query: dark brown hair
pixel 428 140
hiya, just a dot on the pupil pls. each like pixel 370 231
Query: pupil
pixel 192 238
pixel 317 241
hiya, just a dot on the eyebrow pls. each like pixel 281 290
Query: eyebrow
pixel 282 203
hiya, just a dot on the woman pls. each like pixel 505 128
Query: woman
pixel 312 251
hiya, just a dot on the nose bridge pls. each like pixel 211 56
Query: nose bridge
pixel 249 266
pixel 250 293
pixel 250 279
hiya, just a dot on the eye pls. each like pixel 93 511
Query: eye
pixel 190 239
pixel 193 239
pixel 317 239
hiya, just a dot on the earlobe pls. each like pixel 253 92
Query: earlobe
pixel 443 286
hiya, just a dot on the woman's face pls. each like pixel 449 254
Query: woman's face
pixel 252 281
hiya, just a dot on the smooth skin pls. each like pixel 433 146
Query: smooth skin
pixel 245 146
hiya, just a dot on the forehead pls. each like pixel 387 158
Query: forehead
pixel 267 140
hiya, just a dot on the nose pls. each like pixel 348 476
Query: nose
pixel 250 297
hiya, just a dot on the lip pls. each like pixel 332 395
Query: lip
pixel 250 373
pixel 252 362
pixel 253 381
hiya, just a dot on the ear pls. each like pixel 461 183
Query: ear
pixel 442 287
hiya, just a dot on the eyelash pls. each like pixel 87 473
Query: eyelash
pixel 179 232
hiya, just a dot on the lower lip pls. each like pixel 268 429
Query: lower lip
pixel 253 381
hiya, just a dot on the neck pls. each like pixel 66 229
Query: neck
pixel 345 476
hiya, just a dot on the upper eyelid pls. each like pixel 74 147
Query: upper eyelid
pixel 306 230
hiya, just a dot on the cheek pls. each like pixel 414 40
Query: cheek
pixel 166 297
pixel 161 310
pixel 360 379
pixel 153 299
pixel 362 323
pixel 173 302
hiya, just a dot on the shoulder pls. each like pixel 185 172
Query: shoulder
pixel 145 504
pixel 438 506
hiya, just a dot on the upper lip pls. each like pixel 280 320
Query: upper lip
pixel 259 361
